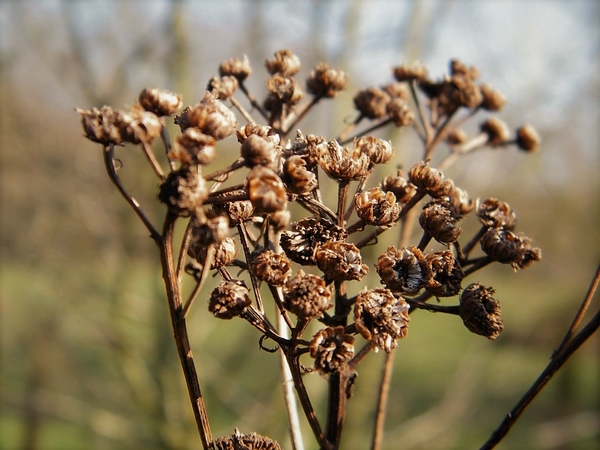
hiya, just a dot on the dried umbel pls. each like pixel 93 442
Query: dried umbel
pixel 340 261
pixel 372 103
pixel 381 318
pixel 240 441
pixel 430 180
pixel 376 207
pixel 307 296
pixel 325 81
pixel 446 274
pixel 301 241
pixel 183 191
pixel 229 299
pixel 480 312
pixel 403 270
pixel 496 214
pixel 331 349
pixel 160 101
pixel 270 267
pixel 265 190
pixel 439 222
pixel 344 163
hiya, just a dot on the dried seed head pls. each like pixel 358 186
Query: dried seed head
pixel 211 116
pixel 403 270
pixel 480 312
pixel 344 163
pixel 439 222
pixel 160 101
pixel 493 100
pixel 495 214
pixel 99 125
pixel 285 63
pixel 237 211
pixel 456 136
pixel 461 69
pixel 399 186
pixel 340 261
pixel 229 299
pixel 459 203
pixel 379 151
pixel 264 131
pixel 496 130
pixel 259 151
pixel 446 274
pixel 408 72
pixel 138 126
pixel 310 148
pixel 184 190
pixel 530 255
pixel 381 318
pixel 238 68
pixel 192 147
pixel 372 102
pixel 301 241
pixel 397 90
pixel 528 139
pixel 224 87
pixel 400 113
pixel 325 81
pixel 376 207
pixel 279 220
pixel 503 246
pixel 331 349
pixel 307 296
pixel 265 190
pixel 283 90
pixel 240 441
pixel 208 230
pixel 430 180
pixel 297 178
pixel 225 252
pixel 273 268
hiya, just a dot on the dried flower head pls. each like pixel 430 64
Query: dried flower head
pixel 240 441
pixel 459 203
pixel 192 147
pixel 331 349
pixel 397 90
pixel 381 318
pixel 344 163
pixel 265 190
pixel 403 270
pixel 229 299
pixel 409 72
pixel 372 103
pixel 207 230
pixel 456 136
pixel 301 241
pixel 438 221
pixel 496 214
pixel 225 252
pixel 237 211
pixel 528 139
pixel 430 180
pixel 160 101
pixel 285 63
pixel 503 246
pixel 283 90
pixel 238 68
pixel 400 113
pixel 297 178
pixel 270 267
pixel 137 125
pixel 223 88
pixel 99 125
pixel 496 130
pixel 279 220
pixel 399 186
pixel 184 190
pixel 493 100
pixel 310 148
pixel 480 312
pixel 259 151
pixel 306 295
pixel 211 116
pixel 379 151
pixel 376 207
pixel 325 81
pixel 530 256
pixel 264 131
pixel 446 274
pixel 340 261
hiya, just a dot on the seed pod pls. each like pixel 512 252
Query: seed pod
pixel 283 90
pixel 379 151
pixel 223 88
pixel 503 246
pixel 258 151
pixel 340 261
pixel 307 296
pixel 137 126
pixel 496 130
pixel 209 230
pixel 372 103
pixel 439 223
pixel 238 68
pixel 99 125
pixel 397 90
pixel 237 211
pixel 495 214
pixel 331 349
pixel 376 207
pixel 310 148
pixel 270 267
pixel 183 191
pixel 211 116
pixel 408 72
pixel 192 147
pixel 264 131
pixel 326 82
pixel 403 270
pixel 493 100
pixel 160 101
pixel 229 299
pixel 265 190
pixel 430 180
pixel 456 136
pixel 459 203
pixel 528 139
pixel 225 252
pixel 343 163
pixel 381 318
pixel 480 312
pixel 400 113
pixel 446 274
pixel 297 178
pixel 399 186
pixel 285 63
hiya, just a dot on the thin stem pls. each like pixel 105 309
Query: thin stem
pixel 185 244
pixel 226 170
pixel 243 233
pixel 420 112
pixel 152 159
pixel 316 207
pixel 474 240
pixel 296 119
pixel 342 193
pixel 241 109
pixel 418 304
pixel 349 128
pixel 210 253
pixel 372 128
pixel 253 101
pixel 164 135
pixel 382 400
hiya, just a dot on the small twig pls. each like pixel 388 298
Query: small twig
pixel 210 253
pixel 418 304
pixel 164 134
pixel 152 159
pixel 382 400
pixel 241 109
pixel 372 128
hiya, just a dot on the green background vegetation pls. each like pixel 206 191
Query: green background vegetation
pixel 87 355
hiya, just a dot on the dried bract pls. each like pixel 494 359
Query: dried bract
pixel 399 186
pixel 331 349
pixel 99 125
pixel 480 312
pixel 430 180
pixel 379 151
pixel 240 441
pixel 344 163
pixel 297 178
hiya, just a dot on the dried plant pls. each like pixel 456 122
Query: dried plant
pixel 309 266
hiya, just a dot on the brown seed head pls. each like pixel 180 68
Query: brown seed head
pixel 283 90
pixel 238 68
pixel 530 256
pixel 372 102
pixel 377 207
pixel 223 88
pixel 229 299
pixel 211 116
pixel 528 139
pixel 184 190
pixel 207 230
pixel 379 151
pixel 307 296
pixel 480 312
pixel 279 220
pixel 495 214
pixel 285 64
pixel 340 261
pixel 264 131
pixel 344 163
pixel 493 100
pixel 325 81
pixel 457 68
pixel 297 178
pixel 240 441
pixel 497 131
pixel 137 125
pixel 503 246
pixel 439 222
pixel 265 190
pixel 403 270
pixel 273 268
pixel 192 147
pixel 459 203
pixel 430 180
pixel 160 101
pixel 397 90
pixel 456 136
pixel 409 72
pixel 446 274
pixel 259 151
pixel 381 318
pixel 399 186
pixel 237 211
pixel 331 349
pixel 310 148
pixel 400 113
pixel 225 252
pixel 99 125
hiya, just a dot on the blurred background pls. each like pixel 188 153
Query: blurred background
pixel 87 355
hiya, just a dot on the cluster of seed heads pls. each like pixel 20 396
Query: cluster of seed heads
pixel 245 231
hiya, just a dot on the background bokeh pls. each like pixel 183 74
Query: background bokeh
pixel 87 355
